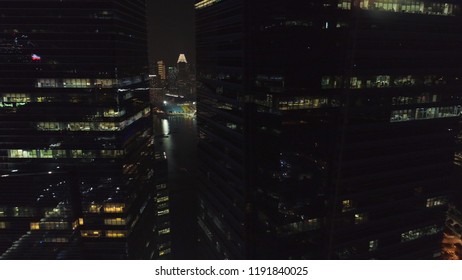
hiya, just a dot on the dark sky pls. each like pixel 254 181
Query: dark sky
pixel 171 30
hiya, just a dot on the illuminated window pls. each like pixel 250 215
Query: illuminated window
pixel 344 4
pixel 46 154
pixel 341 24
pixel 419 233
pixel 425 113
pixel 110 113
pixel 408 80
pixel 436 201
pixel 42 99
pixel 355 83
pixel 3 225
pixel 53 212
pixel 164 231
pixel 360 218
pixel 75 224
pixel 116 233
pixel 49 226
pixel 108 126
pixel 77 154
pixel 90 233
pixel 112 153
pixel 328 82
pixel 115 222
pixel 105 83
pixel 165 252
pixel 114 208
pixel 76 83
pixel 300 103
pixel 79 126
pixel 232 126
pixel 95 208
pixel 34 226
pixel 373 245
pixel 413 7
pixel 423 98
pixel 2 211
pixel 347 205
pixel 25 212
pixel 49 126
pixel 163 212
pixel 22 154
pixel 83 154
pixel 162 199
pixel 81 221
pixel 47 83
pixel 382 81
pixel 16 97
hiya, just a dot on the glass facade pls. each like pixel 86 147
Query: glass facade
pixel 327 128
pixel 77 158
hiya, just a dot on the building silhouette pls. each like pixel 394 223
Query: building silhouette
pixel 78 173
pixel 183 68
pixel 161 70
pixel 327 128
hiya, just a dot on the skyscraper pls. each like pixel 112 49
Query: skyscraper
pixel 161 70
pixel 78 176
pixel 183 71
pixel 327 128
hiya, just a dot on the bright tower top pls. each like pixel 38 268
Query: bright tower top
pixel 182 58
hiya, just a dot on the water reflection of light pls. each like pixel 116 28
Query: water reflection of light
pixel 165 126
pixel 167 141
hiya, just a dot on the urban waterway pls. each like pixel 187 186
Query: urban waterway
pixel 177 136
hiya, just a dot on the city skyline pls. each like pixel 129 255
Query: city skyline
pixel 230 129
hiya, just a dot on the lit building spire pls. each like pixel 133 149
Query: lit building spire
pixel 182 58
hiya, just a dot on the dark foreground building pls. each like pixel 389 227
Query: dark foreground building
pixel 78 177
pixel 327 128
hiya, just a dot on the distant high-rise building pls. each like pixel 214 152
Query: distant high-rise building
pixel 183 70
pixel 327 128
pixel 161 70
pixel 78 175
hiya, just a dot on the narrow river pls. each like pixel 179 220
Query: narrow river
pixel 176 135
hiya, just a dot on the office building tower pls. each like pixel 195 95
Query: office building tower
pixel 327 128
pixel 161 70
pixel 183 69
pixel 77 164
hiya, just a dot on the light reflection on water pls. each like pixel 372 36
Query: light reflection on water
pixel 165 126
pixel 177 136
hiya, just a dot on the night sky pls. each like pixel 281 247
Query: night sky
pixel 171 30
